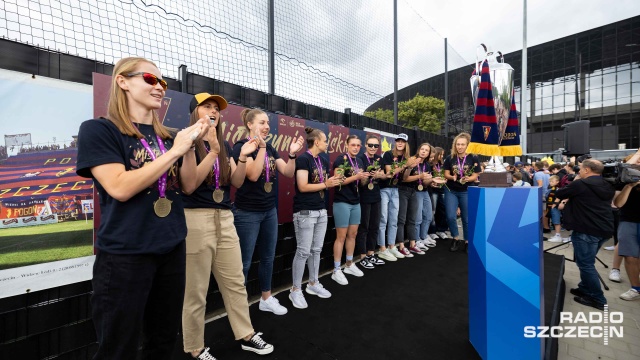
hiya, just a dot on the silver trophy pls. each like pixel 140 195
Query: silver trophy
pixel 501 75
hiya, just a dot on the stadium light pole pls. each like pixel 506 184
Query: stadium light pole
pixel 395 62
pixel 523 83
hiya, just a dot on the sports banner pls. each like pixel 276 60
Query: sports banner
pixel 40 193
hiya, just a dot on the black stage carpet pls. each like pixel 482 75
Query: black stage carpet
pixel 411 309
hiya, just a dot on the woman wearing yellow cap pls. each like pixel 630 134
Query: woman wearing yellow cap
pixel 212 241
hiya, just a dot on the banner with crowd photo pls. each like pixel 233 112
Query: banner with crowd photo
pixel 42 243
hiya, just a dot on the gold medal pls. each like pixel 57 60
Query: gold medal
pixel 395 182
pixel 321 194
pixel 268 186
pixel 370 186
pixel 218 195
pixel 162 207
pixel 420 187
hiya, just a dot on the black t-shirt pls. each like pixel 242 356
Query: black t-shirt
pixel 471 163
pixel 369 196
pixel 131 227
pixel 203 196
pixel 388 159
pixel 630 211
pixel 419 169
pixel 251 196
pixel 310 200
pixel 348 193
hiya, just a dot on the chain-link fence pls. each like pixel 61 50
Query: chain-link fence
pixel 334 54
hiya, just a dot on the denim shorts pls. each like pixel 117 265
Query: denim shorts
pixel 629 239
pixel 345 214
pixel 555 216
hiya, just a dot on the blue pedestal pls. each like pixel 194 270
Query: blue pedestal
pixel 505 272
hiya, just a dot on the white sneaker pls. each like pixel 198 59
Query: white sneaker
pixel 395 252
pixel 339 277
pixel 555 238
pixel 387 255
pixel 430 242
pixel 610 248
pixel 632 294
pixel 297 299
pixel 442 235
pixel 318 290
pixel 273 305
pixel 614 275
pixel 566 240
pixel 421 244
pixel 353 270
pixel 434 237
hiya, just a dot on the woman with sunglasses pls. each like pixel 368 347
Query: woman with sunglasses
pixel 421 177
pixel 346 209
pixel 139 168
pixel 256 216
pixel 460 170
pixel 367 236
pixel 212 241
pixel 310 216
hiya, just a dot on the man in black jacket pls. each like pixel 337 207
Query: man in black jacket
pixel 588 213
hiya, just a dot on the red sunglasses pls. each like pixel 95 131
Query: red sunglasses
pixel 150 79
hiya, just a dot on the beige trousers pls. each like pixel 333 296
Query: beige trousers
pixel 213 247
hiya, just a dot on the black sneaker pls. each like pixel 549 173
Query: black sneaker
pixel 577 292
pixel 375 260
pixel 546 231
pixel 257 345
pixel 205 355
pixel 455 244
pixel 366 263
pixel 589 302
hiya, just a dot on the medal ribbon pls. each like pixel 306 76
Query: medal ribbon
pixel 354 166
pixel 460 167
pixel 318 166
pixel 162 182
pixel 266 164
pixel 216 170
pixel 420 171
pixel 401 157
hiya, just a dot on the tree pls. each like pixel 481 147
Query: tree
pixel 381 114
pixel 425 112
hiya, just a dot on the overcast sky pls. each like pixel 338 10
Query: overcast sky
pixel 331 53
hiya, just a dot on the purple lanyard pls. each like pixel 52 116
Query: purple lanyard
pixel 438 168
pixel 420 171
pixel 216 169
pixel 266 161
pixel 368 161
pixel 318 166
pixel 460 169
pixel 354 166
pixel 162 182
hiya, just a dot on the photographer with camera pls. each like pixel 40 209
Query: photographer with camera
pixel 588 214
pixel 628 201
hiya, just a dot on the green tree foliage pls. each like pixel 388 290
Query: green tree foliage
pixel 381 114
pixel 425 112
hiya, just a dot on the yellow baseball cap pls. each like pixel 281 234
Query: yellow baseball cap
pixel 202 97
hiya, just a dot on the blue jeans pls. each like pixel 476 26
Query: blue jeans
pixel 259 228
pixel 310 230
pixel 585 248
pixel 452 201
pixel 388 215
pixel 425 214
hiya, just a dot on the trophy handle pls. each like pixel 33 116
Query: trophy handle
pixel 484 56
pixel 500 56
